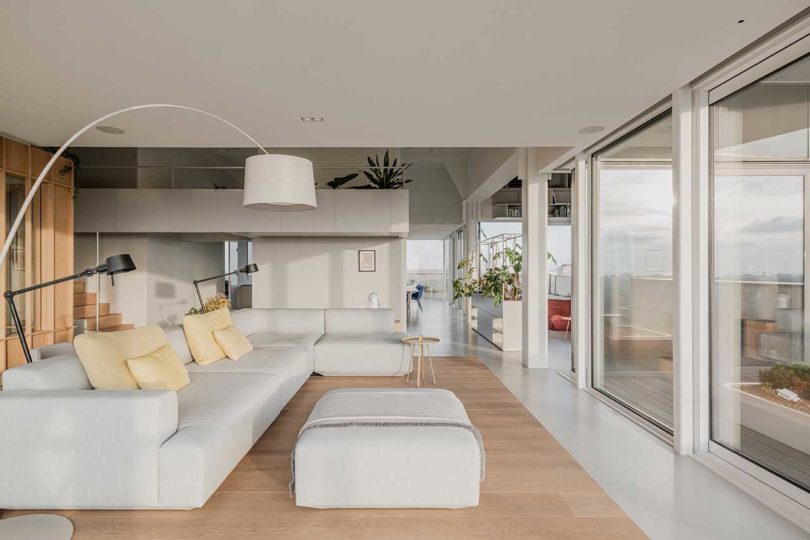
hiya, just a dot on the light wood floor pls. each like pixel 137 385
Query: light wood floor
pixel 533 487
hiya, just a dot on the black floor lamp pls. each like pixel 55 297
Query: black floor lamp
pixel 247 269
pixel 117 264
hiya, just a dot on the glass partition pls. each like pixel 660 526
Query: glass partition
pixel 760 377
pixel 633 288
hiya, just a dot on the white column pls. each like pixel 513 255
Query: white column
pixel 535 266
pixel 471 213
pixel 682 351
pixel 399 276
pixel 580 308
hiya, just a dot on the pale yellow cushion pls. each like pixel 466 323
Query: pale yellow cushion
pixel 199 331
pixel 159 370
pixel 104 355
pixel 233 342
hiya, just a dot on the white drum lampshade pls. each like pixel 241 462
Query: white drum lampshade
pixel 279 182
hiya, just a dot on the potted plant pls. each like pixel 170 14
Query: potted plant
pixel 380 175
pixel 212 303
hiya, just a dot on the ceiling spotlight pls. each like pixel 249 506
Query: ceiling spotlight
pixel 312 118
pixel 110 130
pixel 589 130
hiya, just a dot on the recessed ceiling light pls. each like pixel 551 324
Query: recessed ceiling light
pixel 110 130
pixel 312 118
pixel 589 130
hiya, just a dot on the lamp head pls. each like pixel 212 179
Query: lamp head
pixel 279 182
pixel 116 264
pixel 249 268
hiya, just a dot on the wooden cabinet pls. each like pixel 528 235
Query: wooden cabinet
pixel 42 250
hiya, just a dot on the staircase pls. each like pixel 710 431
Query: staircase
pixel 84 309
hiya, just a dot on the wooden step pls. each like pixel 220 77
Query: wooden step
pixel 89 312
pixel 118 328
pixel 105 321
pixel 84 299
pixel 79 286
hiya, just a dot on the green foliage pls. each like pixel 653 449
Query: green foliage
pixel 335 183
pixel 466 285
pixel 501 281
pixel 380 175
pixel 387 175
pixel 794 377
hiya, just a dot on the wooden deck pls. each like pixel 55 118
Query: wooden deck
pixel 533 488
pixel 648 391
pixel 651 393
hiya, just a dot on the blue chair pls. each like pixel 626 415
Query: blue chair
pixel 420 292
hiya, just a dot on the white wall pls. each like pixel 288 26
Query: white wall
pixel 323 273
pixel 435 203
pixel 160 290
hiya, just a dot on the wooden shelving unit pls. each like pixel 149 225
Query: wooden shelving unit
pixel 42 251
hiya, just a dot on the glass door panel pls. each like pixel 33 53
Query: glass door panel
pixel 633 300
pixel 758 322
pixel 760 375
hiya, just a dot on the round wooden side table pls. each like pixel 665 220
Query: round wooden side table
pixel 423 344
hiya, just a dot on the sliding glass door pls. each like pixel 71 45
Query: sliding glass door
pixel 760 376
pixel 633 287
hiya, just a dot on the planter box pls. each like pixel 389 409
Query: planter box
pixel 770 418
pixel 501 325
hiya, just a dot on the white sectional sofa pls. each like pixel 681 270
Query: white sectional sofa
pixel 65 445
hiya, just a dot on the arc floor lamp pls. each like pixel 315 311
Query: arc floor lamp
pixel 272 182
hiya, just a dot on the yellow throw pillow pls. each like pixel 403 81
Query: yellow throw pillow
pixel 104 355
pixel 233 342
pixel 199 331
pixel 159 370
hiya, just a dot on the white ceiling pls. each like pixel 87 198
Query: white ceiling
pixel 383 74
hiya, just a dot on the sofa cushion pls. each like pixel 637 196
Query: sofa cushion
pixel 63 372
pixel 199 331
pixel 55 349
pixel 104 354
pixel 358 321
pixel 177 339
pixel 275 340
pixel 220 416
pixel 367 354
pixel 284 363
pixel 159 370
pixel 233 342
pixel 249 321
pixel 282 321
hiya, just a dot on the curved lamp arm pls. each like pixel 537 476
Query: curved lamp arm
pixel 35 186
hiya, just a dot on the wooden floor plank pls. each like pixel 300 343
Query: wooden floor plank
pixel 533 488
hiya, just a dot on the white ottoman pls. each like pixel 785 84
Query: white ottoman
pixel 388 448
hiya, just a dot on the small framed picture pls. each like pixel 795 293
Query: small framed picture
pixel 367 260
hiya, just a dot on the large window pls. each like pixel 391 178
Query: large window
pixel 632 356
pixel 760 377
pixel 425 265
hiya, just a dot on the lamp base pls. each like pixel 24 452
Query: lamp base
pixel 36 527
